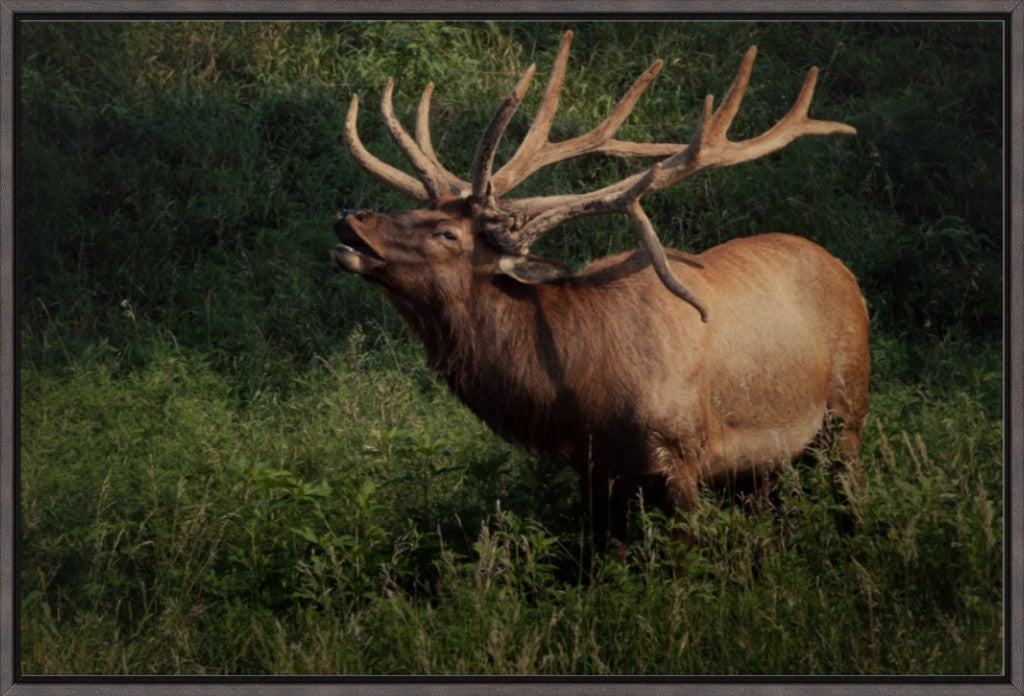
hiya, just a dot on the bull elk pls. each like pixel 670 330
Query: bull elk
pixel 653 372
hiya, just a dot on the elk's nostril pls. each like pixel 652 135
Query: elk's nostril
pixel 341 225
pixel 359 215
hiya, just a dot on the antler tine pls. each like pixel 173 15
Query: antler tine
pixel 423 123
pixel 803 100
pixel 798 116
pixel 537 152
pixel 433 179
pixel 537 136
pixel 726 113
pixel 459 186
pixel 483 160
pixel 656 252
pixel 381 171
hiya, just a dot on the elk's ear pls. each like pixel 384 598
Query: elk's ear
pixel 530 269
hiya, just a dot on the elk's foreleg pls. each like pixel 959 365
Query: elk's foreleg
pixel 607 498
pixel 595 487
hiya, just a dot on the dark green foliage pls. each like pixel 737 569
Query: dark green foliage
pixel 234 460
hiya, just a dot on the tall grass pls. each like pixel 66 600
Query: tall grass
pixel 301 537
pixel 236 461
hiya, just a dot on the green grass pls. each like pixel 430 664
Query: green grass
pixel 239 532
pixel 234 460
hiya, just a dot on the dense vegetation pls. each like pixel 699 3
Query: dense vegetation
pixel 234 460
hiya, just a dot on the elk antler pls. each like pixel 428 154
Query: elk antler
pixel 709 147
pixel 513 225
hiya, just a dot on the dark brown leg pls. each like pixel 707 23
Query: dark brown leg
pixel 595 489
pixel 848 447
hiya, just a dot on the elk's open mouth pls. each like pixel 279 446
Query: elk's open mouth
pixel 354 253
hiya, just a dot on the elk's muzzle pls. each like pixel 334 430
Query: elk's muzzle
pixel 354 253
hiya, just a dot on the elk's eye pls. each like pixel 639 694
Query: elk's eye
pixel 447 234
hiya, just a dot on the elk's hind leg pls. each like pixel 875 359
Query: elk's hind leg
pixel 677 495
pixel 846 412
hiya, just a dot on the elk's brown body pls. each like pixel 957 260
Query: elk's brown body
pixel 606 368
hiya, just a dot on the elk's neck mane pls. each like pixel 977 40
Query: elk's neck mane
pixel 503 352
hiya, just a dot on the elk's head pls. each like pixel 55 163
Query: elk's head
pixel 431 253
pixel 468 227
pixel 408 250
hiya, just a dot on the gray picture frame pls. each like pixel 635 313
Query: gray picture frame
pixel 1010 12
